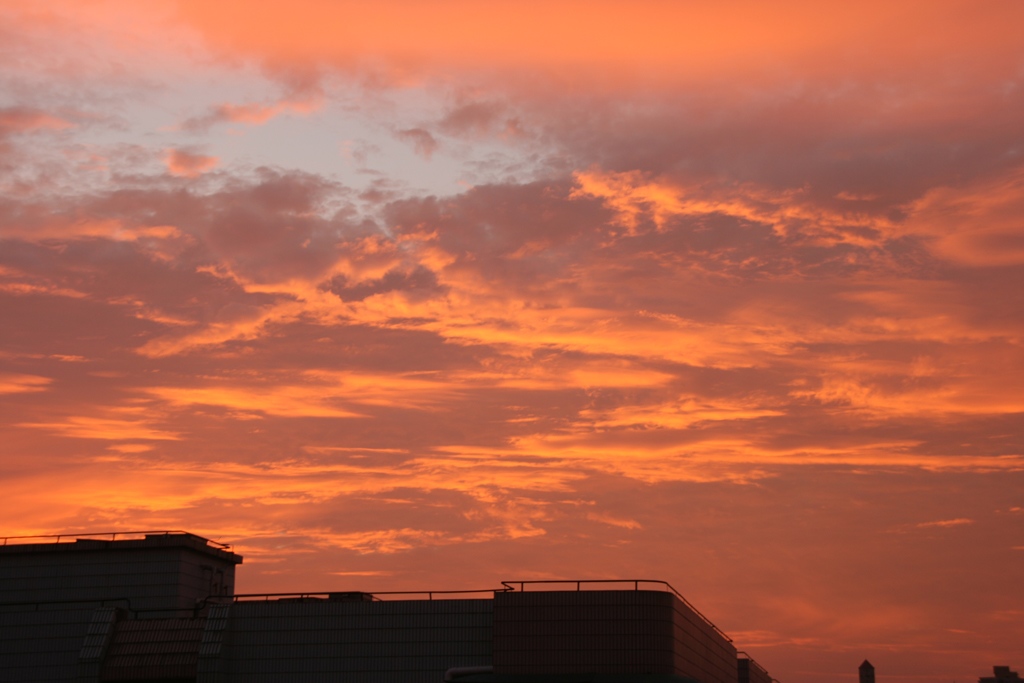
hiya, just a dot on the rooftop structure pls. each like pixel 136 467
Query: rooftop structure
pixel 1000 674
pixel 159 606
pixel 158 571
pixel 866 672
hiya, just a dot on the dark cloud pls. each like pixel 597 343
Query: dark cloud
pixel 472 118
pixel 421 140
pixel 420 281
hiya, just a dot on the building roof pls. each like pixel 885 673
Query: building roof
pixel 120 540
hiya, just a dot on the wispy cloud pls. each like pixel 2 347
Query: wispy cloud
pixel 959 521
pixel 251 113
pixel 16 384
pixel 110 429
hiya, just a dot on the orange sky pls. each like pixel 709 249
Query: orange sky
pixel 430 295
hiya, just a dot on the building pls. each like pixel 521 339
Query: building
pixel 53 594
pixel 749 671
pixel 867 672
pixel 160 606
pixel 1001 674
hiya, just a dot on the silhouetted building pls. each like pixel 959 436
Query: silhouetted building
pixel 1001 674
pixel 53 594
pixel 160 608
pixel 867 672
pixel 749 671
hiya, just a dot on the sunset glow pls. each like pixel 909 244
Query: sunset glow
pixel 405 295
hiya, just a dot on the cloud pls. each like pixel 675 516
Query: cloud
pixel 666 42
pixel 322 394
pixel 637 200
pixel 284 401
pixel 20 127
pixel 128 448
pixel 471 118
pixel 724 287
pixel 25 119
pixel 110 429
pixel 977 225
pixel 16 384
pixel 419 280
pixel 959 521
pixel 189 164
pixel 252 113
pixel 678 413
pixel 421 140
pixel 613 521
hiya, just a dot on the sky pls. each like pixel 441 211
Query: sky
pixel 430 295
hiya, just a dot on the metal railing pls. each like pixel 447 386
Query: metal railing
pixel 108 536
pixel 579 583
pixel 754 662
pixel 507 586
pixel 327 595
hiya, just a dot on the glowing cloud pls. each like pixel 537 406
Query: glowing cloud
pixel 189 164
pixel 16 384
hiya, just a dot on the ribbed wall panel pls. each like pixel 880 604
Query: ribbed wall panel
pixel 42 645
pixel 750 671
pixel 702 652
pixel 607 632
pixel 583 632
pixel 402 640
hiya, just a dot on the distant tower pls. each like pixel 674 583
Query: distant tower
pixel 867 672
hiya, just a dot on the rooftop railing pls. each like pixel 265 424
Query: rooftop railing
pixel 591 584
pixel 105 536
pixel 507 586
pixel 740 654
pixel 350 596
